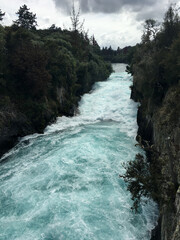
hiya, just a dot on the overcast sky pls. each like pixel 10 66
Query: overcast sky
pixel 113 22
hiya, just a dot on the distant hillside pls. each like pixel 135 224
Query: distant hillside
pixel 123 55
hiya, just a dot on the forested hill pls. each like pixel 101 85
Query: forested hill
pixel 123 55
pixel 156 85
pixel 43 73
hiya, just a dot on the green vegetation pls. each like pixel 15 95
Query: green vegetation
pixel 43 73
pixel 26 19
pixel 123 55
pixel 138 178
pixel 156 70
pixel 143 178
pixel 1 15
pixel 156 59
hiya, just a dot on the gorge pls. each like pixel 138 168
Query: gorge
pixel 65 183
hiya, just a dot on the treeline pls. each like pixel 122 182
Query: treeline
pixel 123 55
pixel 43 73
pixel 156 63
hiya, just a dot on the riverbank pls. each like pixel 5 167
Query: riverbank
pixel 159 134
pixel 156 86
pixel 15 124
pixel 65 183
pixel 43 74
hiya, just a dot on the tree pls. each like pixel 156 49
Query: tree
pixel 93 41
pixel 1 15
pixel 151 28
pixel 138 179
pixel 118 50
pixel 171 16
pixel 77 25
pixel 26 19
pixel 28 65
pixel 171 24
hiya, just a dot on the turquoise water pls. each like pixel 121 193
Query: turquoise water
pixel 65 185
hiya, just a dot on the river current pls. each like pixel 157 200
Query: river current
pixel 64 184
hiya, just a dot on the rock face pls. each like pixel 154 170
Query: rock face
pixel 159 128
pixel 13 125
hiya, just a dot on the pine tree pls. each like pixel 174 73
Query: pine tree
pixel 77 25
pixel 151 28
pixel 26 19
pixel 1 15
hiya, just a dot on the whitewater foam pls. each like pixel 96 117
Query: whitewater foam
pixel 64 184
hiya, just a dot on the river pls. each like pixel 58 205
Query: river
pixel 64 184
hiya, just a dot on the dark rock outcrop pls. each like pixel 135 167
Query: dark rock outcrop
pixel 13 125
pixel 159 127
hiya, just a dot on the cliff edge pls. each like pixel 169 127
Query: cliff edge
pixel 159 134
pixel 156 86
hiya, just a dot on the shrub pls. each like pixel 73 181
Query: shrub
pixel 138 179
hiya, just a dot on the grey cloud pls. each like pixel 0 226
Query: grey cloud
pixel 157 15
pixel 144 9
pixel 155 11
pixel 64 4
pixel 112 6
pixel 106 6
pixel 46 20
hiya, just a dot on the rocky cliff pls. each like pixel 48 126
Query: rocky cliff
pixel 12 126
pixel 156 85
pixel 159 135
pixel 15 123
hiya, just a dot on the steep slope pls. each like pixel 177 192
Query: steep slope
pixel 156 85
pixel 160 137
